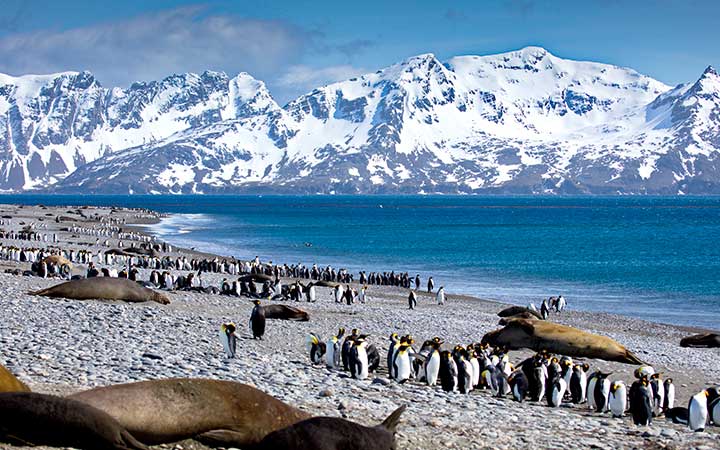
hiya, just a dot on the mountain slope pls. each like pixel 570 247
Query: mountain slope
pixel 519 122
pixel 50 125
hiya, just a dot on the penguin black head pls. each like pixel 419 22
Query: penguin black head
pixel 354 332
pixel 341 331
pixel 256 302
pixel 712 393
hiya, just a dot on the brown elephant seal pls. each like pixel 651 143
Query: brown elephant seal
pixel 523 315
pixel 511 311
pixel 58 260
pixel 704 340
pixel 555 338
pixel 9 383
pixel 285 312
pixel 103 288
pixel 330 433
pixel 222 413
pixel 28 418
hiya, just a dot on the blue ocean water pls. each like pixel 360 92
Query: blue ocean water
pixel 651 257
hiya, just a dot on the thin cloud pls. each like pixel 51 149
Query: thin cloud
pixel 353 48
pixel 152 46
pixel 301 78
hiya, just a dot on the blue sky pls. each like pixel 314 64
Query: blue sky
pixel 295 45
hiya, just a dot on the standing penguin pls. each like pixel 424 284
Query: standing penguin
pixel 430 284
pixel 394 345
pixel 714 411
pixel 347 345
pixel 432 364
pixel 578 383
pixel 538 380
pixel 641 402
pixel 464 370
pixel 518 385
pixel 257 320
pixel 228 338
pixel 310 293
pixel 669 402
pixel 412 300
pixel 658 390
pixel 440 297
pixel 557 387
pixel 566 363
pixel 544 310
pixel 401 363
pixel 338 293
pixel 472 357
pixel 590 391
pixel 373 357
pixel 617 403
pixel 448 372
pixel 334 349
pixel 359 367
pixel 316 348
pixel 698 411
pixel 602 392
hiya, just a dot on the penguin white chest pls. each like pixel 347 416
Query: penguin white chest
pixel 432 369
pixel 402 366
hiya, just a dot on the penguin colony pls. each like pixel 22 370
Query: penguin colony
pixel 542 378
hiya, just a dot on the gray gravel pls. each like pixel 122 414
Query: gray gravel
pixel 61 346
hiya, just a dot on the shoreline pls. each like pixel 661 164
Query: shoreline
pixel 149 229
pixel 61 346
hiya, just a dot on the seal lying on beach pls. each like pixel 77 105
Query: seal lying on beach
pixel 221 413
pixel 705 340
pixel 520 311
pixel 285 312
pixel 9 383
pixel 28 418
pixel 103 288
pixel 330 433
pixel 555 338
pixel 58 260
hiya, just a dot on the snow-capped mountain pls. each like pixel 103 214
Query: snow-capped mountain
pixel 520 122
pixel 52 124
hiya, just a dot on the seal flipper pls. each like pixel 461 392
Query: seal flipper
pixel 226 438
pixel 392 421
pixel 128 441
pixel 631 358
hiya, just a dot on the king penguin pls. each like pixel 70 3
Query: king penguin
pixel 257 320
pixel 617 403
pixel 578 383
pixel 347 345
pixel 316 348
pixel 464 370
pixel 518 385
pixel 359 366
pixel 669 402
pixel 698 411
pixel 448 372
pixel 401 363
pixel 602 392
pixel 641 402
pixel 394 344
pixel 333 350
pixel 557 388
pixel 432 364
pixel 228 338
pixel 658 390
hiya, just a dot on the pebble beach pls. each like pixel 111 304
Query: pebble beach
pixel 61 346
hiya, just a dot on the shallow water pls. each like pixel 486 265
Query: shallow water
pixel 649 257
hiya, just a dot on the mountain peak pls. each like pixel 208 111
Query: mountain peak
pixel 710 71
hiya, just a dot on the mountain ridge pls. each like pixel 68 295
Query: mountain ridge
pixel 517 122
